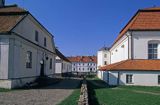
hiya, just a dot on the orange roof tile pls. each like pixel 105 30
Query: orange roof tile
pixel 144 19
pixel 83 59
pixel 138 65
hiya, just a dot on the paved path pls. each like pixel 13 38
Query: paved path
pixel 51 95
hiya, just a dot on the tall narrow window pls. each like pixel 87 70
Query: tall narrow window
pixel 153 51
pixel 45 42
pixel 105 62
pixel 50 65
pixel 159 79
pixel 29 59
pixel 129 78
pixel 36 36
pixel 105 55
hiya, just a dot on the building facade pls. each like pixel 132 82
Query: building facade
pixel 83 64
pixel 27 49
pixel 138 43
pixel 63 65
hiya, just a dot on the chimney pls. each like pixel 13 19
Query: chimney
pixel 2 3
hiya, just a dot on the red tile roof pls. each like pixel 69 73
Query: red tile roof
pixel 9 17
pixel 84 59
pixel 138 65
pixel 144 19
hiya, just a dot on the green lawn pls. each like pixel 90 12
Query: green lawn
pixel 72 99
pixel 123 95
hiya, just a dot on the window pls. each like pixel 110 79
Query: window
pixel 74 69
pixel 83 69
pixel 129 78
pixel 79 68
pixel 159 79
pixel 36 36
pixel 122 46
pixel 45 43
pixel 105 55
pixel 29 59
pixel 152 51
pixel 105 62
pixel 50 65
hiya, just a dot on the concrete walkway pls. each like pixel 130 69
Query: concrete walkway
pixel 51 95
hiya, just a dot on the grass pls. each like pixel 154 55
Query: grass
pixel 72 99
pixel 100 94
pixel 4 90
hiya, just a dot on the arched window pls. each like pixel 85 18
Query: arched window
pixel 153 49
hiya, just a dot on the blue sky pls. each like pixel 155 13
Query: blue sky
pixel 81 27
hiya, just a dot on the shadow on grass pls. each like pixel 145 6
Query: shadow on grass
pixel 92 86
pixel 91 94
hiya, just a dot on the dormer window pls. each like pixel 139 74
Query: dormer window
pixel 36 36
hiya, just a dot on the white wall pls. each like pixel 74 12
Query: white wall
pixel 118 52
pixel 101 58
pixel 4 57
pixel 19 69
pixel 140 43
pixel 27 28
pixel 142 78
pixel 62 66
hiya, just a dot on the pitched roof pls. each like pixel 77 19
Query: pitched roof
pixel 132 65
pixel 144 19
pixel 84 59
pixel 10 16
pixel 59 54
pixel 104 49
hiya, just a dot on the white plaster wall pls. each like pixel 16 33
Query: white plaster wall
pixel 101 58
pixel 113 75
pixel 140 43
pixel 4 57
pixel 141 78
pixel 27 29
pixel 58 68
pixel 118 53
pixel 19 69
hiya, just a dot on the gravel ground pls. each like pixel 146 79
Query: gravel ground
pixel 51 95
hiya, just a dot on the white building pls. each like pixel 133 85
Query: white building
pixel 134 56
pixel 83 64
pixel 103 58
pixel 63 65
pixel 27 49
